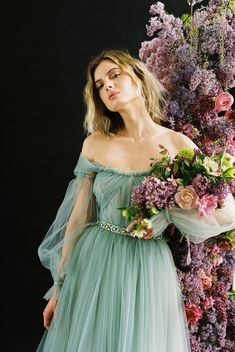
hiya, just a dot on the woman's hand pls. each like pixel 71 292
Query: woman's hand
pixel 148 234
pixel 49 312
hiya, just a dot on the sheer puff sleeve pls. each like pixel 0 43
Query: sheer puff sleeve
pixel 77 211
pixel 199 228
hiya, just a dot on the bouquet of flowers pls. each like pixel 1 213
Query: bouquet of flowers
pixel 189 180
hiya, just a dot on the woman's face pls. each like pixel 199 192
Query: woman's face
pixel 115 87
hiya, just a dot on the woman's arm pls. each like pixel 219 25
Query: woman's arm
pixel 78 217
pixel 78 209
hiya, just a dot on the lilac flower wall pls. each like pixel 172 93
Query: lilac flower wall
pixel 194 57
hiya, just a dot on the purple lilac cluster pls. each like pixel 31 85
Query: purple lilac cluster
pixel 154 192
pixel 219 126
pixel 232 187
pixel 216 325
pixel 195 62
pixel 221 190
pixel 158 53
pixel 193 283
pixel 138 195
pixel 229 343
pixel 200 282
pixel 198 259
pixel 201 184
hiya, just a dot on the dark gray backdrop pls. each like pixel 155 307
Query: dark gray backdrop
pixel 47 45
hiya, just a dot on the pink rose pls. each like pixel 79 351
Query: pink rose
pixel 193 312
pixel 186 197
pixel 215 249
pixel 224 101
pixel 207 204
pixel 209 302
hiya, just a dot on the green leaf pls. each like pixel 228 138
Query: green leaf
pixel 132 212
pixel 231 5
pixel 230 232
pixel 179 181
pixel 220 155
pixel 154 210
pixel 231 239
pixel 175 168
pixel 164 151
pixel 129 212
pixel 185 175
pixel 167 172
pixel 231 295
pixel 186 19
pixel 200 157
pixel 229 173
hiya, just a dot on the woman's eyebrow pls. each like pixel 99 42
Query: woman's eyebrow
pixel 107 73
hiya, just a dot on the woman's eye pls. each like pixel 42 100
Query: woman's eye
pixel 115 75
pixel 98 88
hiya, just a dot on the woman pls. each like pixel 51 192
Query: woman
pixel 113 292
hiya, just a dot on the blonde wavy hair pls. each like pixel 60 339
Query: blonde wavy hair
pixel 98 117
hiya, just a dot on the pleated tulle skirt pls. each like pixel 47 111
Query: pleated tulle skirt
pixel 121 294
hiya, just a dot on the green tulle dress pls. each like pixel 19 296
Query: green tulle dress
pixel 119 293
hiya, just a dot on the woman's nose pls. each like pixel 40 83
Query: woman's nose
pixel 108 85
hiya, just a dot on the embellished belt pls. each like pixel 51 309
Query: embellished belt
pixel 113 228
pixel 118 229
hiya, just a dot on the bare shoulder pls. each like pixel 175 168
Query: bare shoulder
pixel 180 140
pixel 174 139
pixel 92 144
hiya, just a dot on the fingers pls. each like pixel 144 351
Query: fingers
pixel 47 319
pixel 49 312
pixel 149 234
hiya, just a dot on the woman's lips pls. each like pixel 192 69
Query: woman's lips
pixel 113 95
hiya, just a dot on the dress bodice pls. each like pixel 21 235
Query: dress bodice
pixel 112 188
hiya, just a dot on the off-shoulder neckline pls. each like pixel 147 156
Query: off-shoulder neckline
pixel 114 169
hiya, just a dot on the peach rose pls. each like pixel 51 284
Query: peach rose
pixel 206 282
pixel 224 101
pixel 186 197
